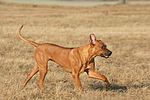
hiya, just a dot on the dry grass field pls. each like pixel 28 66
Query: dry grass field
pixel 124 28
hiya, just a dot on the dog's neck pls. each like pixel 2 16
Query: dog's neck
pixel 88 54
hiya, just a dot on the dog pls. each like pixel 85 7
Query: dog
pixel 73 60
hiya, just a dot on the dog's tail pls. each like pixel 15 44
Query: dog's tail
pixel 31 42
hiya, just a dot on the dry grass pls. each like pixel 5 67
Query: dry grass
pixel 124 28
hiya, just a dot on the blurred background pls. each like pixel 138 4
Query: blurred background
pixel 79 2
pixel 123 25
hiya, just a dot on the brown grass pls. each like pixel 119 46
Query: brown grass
pixel 124 28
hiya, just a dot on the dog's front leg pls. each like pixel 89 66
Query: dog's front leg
pixel 75 74
pixel 93 74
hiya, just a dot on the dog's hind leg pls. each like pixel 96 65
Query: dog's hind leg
pixel 31 74
pixel 43 72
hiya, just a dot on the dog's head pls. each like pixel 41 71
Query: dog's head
pixel 99 48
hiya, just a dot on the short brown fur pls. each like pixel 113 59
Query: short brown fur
pixel 73 60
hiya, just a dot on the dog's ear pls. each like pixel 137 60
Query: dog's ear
pixel 92 39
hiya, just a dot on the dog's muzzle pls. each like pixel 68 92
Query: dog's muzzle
pixel 106 55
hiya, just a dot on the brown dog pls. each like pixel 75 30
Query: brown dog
pixel 73 60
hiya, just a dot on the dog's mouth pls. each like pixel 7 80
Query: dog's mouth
pixel 106 55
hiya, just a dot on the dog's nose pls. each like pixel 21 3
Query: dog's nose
pixel 109 53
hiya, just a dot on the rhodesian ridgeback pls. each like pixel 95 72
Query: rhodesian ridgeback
pixel 73 60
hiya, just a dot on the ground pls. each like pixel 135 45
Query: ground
pixel 124 28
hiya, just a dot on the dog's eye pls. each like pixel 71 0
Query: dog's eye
pixel 103 47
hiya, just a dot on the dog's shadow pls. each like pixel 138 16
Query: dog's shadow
pixel 113 87
pixel 116 87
